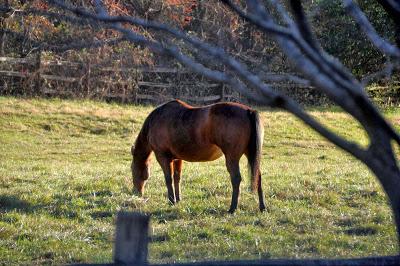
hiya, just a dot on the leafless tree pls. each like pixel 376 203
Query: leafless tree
pixel 291 30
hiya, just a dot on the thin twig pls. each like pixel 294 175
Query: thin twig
pixel 362 21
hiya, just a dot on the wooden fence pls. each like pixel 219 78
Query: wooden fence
pixel 35 76
pixel 132 238
pixel 38 76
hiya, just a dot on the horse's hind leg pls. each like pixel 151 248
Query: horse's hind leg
pixel 177 178
pixel 167 167
pixel 260 194
pixel 233 168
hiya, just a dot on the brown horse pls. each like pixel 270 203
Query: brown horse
pixel 176 131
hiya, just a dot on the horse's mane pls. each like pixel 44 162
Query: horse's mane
pixel 141 147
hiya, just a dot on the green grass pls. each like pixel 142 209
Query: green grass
pixel 65 172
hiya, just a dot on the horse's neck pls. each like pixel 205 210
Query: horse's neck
pixel 142 150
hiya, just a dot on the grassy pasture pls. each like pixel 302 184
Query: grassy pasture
pixel 64 173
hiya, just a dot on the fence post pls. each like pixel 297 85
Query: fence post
pixel 38 78
pixel 131 239
pixel 222 92
pixel 136 85
pixel 87 77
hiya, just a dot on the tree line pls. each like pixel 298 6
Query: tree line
pixel 24 33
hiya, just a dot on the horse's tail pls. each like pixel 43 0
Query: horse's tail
pixel 254 148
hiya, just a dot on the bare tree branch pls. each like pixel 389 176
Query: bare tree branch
pixel 271 97
pixel 77 44
pixel 383 45
pixel 323 71
pixel 325 63
pixel 81 21
pixel 285 77
pixel 304 27
pixel 393 4
pixel 267 96
pixel 392 8
pixel 386 72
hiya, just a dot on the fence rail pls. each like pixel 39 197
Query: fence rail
pixel 37 76
pixel 134 84
pixel 137 83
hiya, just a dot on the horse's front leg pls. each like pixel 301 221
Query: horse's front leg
pixel 177 178
pixel 234 171
pixel 166 164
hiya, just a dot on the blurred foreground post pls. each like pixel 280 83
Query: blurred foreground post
pixel 131 239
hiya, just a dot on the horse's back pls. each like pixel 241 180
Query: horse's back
pixel 231 126
pixel 176 130
pixel 199 133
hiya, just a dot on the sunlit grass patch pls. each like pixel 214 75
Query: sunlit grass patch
pixel 65 173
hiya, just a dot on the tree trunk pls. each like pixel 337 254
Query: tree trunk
pixel 391 183
pixel 382 162
pixel 3 26
pixel 2 37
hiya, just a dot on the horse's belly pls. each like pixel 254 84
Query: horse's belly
pixel 199 154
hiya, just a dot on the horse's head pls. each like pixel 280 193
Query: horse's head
pixel 140 173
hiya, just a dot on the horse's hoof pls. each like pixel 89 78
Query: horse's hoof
pixel 231 211
pixel 262 209
pixel 172 203
pixel 137 193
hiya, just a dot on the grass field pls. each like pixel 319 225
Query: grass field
pixel 65 172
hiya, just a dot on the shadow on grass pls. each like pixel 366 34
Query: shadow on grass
pixel 159 238
pixel 216 212
pixel 12 202
pixel 60 207
pixel 101 214
pixel 165 215
pixel 361 231
pixel 174 213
